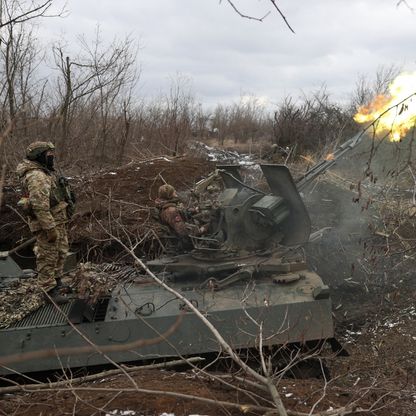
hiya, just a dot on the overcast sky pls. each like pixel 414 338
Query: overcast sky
pixel 226 56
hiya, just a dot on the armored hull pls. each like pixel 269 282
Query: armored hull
pixel 254 285
pixel 295 311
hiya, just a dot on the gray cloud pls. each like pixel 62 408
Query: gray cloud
pixel 226 55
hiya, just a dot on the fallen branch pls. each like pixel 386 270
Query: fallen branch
pixel 244 408
pixel 92 377
pixel 223 343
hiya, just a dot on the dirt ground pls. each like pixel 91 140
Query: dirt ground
pixel 379 374
pixel 117 201
pixel 375 320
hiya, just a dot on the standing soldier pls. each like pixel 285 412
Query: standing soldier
pixel 46 203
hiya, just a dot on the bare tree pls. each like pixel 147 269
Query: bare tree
pixel 366 89
pixel 116 75
pixel 220 123
pixel 175 114
pixel 313 123
pixel 20 11
pixel 126 116
pixel 91 84
pixel 20 58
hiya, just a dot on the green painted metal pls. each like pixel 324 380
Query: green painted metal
pixel 288 313
pixel 257 274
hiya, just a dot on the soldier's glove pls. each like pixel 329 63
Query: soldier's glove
pixel 203 229
pixel 51 235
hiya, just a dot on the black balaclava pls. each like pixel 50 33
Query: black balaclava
pixel 46 161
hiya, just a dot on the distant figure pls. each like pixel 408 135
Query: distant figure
pixel 46 202
pixel 172 214
pixel 277 154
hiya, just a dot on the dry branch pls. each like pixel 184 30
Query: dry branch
pixel 2 179
pixel 261 19
pixel 245 408
pixel 92 377
pixel 37 10
pixel 224 345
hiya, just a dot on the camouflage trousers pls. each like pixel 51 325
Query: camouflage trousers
pixel 50 257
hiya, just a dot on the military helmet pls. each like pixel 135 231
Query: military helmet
pixel 166 192
pixel 37 148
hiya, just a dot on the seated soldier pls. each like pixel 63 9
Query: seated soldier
pixel 172 214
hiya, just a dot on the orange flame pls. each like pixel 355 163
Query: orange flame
pixel 397 119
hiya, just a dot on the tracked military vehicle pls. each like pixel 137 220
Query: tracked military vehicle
pixel 256 274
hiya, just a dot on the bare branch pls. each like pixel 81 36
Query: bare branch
pixel 261 19
pixel 35 10
pixel 282 15
pixel 2 178
pixel 3 136
pixel 92 377
pixel 245 16
pixel 405 3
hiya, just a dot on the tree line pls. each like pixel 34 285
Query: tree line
pixel 88 104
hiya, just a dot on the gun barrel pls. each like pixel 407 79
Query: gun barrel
pixel 324 165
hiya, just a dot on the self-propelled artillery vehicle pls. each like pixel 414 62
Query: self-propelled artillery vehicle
pixel 256 275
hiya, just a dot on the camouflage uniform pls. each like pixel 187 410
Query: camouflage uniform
pixel 47 210
pixel 172 214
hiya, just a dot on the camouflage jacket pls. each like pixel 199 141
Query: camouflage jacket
pixel 46 205
pixel 170 214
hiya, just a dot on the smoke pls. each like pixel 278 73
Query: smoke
pixel 365 199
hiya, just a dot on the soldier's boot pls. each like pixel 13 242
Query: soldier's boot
pixel 55 296
pixel 62 287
